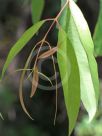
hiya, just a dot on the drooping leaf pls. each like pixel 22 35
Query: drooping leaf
pixel 34 82
pixel 21 43
pixel 48 53
pixel 87 43
pixel 70 77
pixel 37 9
pixel 78 32
pixel 98 34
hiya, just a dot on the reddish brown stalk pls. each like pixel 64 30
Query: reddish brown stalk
pixel 55 20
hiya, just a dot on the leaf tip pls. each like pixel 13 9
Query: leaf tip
pixel 92 115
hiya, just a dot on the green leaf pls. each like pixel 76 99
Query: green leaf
pixel 21 43
pixel 98 34
pixel 87 43
pixel 78 32
pixel 37 9
pixel 70 77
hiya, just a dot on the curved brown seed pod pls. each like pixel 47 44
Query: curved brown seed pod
pixel 48 53
pixel 34 81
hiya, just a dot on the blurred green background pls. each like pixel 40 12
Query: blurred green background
pixel 15 17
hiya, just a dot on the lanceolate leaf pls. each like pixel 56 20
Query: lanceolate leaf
pixel 98 34
pixel 70 77
pixel 78 32
pixel 37 9
pixel 21 43
pixel 87 43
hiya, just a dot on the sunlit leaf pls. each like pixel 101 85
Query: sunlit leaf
pixel 21 43
pixel 78 32
pixel 70 77
pixel 87 43
pixel 98 34
pixel 37 9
